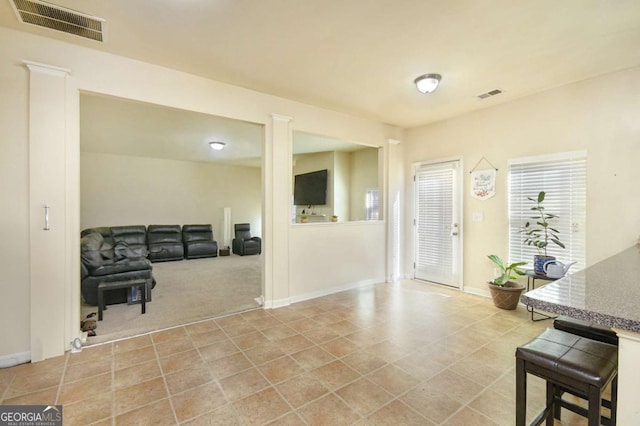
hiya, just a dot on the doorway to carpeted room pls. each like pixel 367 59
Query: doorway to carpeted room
pixel 186 291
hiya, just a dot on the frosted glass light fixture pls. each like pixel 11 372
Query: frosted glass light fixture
pixel 217 146
pixel 427 83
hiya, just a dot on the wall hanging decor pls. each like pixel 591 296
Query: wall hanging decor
pixel 483 182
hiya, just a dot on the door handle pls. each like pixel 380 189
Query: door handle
pixel 46 217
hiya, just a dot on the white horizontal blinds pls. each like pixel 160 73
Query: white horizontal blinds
pixel 434 216
pixel 372 204
pixel 563 179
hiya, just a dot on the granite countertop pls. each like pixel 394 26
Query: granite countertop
pixel 606 293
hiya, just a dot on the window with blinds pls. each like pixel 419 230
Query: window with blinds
pixel 563 178
pixel 371 205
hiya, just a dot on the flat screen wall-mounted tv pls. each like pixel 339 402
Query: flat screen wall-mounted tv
pixel 310 189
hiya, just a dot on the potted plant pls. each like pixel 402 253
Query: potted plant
pixel 334 218
pixel 541 233
pixel 504 292
pixel 304 218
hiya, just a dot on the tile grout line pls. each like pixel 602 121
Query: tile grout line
pixel 226 397
pixel 164 379
pixel 64 371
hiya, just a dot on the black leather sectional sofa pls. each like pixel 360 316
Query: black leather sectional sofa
pixel 109 258
pixel 122 253
pixel 165 243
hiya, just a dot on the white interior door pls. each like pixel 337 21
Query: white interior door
pixel 438 230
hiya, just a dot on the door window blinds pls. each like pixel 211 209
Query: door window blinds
pixel 563 178
pixel 434 216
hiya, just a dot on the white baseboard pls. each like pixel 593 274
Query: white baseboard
pixel 477 291
pixel 337 289
pixel 274 304
pixel 14 359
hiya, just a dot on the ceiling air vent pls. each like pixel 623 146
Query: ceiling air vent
pixel 47 15
pixel 490 94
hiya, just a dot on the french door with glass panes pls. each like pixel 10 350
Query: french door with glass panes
pixel 438 231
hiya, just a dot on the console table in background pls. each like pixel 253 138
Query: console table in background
pixel 606 293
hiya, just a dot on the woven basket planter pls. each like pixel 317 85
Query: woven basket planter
pixel 506 296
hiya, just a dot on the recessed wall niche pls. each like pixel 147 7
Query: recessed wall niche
pixel 352 179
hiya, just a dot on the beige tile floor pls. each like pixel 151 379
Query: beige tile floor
pixel 390 354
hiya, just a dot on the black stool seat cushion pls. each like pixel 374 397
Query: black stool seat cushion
pixel 573 356
pixel 586 329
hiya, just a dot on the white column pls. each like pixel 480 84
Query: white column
pixel 47 132
pixel 394 187
pixel 277 211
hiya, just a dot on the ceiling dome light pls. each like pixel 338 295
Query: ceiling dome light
pixel 427 83
pixel 217 146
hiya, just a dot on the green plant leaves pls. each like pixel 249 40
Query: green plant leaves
pixel 540 236
pixel 507 271
pixel 541 195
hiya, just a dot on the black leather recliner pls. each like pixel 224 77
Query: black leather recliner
pixel 100 263
pixel 244 243
pixel 135 237
pixel 164 242
pixel 198 241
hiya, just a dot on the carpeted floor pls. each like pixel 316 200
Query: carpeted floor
pixel 186 291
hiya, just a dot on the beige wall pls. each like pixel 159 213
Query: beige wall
pixel 121 190
pixel 348 247
pixel 14 203
pixel 598 115
pixel 99 72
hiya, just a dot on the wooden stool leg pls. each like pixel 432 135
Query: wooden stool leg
pixel 595 404
pixel 614 400
pixel 551 405
pixel 521 393
pixel 557 408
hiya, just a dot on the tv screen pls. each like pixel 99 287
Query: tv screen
pixel 310 189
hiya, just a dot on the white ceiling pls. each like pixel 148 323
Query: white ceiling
pixel 361 56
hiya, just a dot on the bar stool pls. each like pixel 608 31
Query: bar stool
pixel 586 329
pixel 572 364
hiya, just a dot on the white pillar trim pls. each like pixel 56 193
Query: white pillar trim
pixel 50 69
pixel 277 211
pixel 279 117
pixel 48 249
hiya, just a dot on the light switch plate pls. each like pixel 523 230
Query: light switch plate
pixel 478 216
